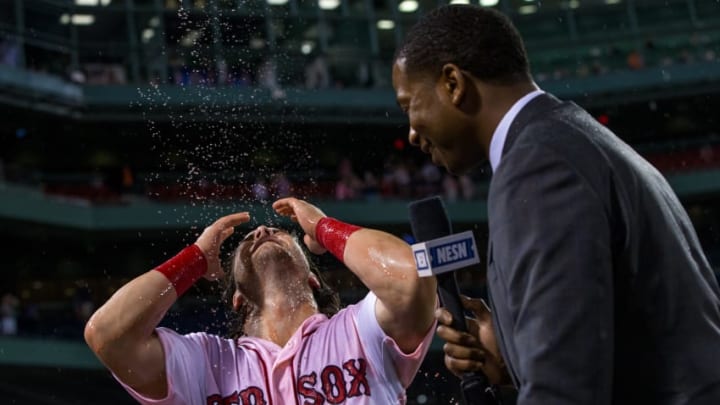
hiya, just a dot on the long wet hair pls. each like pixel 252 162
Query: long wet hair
pixel 327 299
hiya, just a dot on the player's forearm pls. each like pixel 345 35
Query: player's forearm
pixel 383 262
pixel 127 320
pixel 130 316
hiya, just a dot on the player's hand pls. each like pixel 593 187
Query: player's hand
pixel 306 215
pixel 475 350
pixel 213 237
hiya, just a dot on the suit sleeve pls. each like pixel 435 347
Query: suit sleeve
pixel 552 254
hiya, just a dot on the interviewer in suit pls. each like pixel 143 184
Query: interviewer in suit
pixel 599 289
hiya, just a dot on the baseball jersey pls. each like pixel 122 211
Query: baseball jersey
pixel 346 359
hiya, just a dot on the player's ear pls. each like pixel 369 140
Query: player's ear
pixel 237 300
pixel 314 282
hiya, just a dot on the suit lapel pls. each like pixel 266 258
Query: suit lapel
pixel 507 350
pixel 538 107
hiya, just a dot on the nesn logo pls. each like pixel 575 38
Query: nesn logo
pixel 453 252
pixel 421 259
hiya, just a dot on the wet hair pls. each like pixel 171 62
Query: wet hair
pixel 480 40
pixel 327 299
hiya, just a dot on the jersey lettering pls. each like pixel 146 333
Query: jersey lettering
pixel 305 388
pixel 248 396
pixel 215 399
pixel 334 383
pixel 252 396
pixel 359 377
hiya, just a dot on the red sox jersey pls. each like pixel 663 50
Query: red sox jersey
pixel 346 359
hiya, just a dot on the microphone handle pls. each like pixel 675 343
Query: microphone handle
pixel 476 388
pixel 450 299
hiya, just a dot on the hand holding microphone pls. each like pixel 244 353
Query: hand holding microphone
pixel 475 349
pixel 438 253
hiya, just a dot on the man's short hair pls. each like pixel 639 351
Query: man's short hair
pixel 480 40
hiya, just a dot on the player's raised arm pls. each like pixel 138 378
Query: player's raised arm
pixel 122 331
pixel 383 262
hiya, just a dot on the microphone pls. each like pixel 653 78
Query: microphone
pixel 439 252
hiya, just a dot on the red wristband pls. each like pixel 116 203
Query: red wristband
pixel 333 235
pixel 185 268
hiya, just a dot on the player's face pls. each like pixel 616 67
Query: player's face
pixel 266 248
pixel 270 242
pixel 437 125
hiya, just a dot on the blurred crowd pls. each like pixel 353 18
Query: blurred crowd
pixel 34 318
pixel 600 60
pixel 400 178
pixel 317 70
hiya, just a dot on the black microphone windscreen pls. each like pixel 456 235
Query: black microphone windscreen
pixel 429 219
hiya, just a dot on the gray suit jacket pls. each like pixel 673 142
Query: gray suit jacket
pixel 600 291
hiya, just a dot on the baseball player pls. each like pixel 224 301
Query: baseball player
pixel 291 348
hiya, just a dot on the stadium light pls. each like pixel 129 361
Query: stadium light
pixel 488 3
pixel 385 24
pixel 307 47
pixel 612 1
pixel 277 2
pixel 527 9
pixel 408 6
pixel 77 19
pixel 92 3
pixel 328 4
pixel 147 34
pixel 257 43
pixel 459 1
pixel 190 38
pixel 82 19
